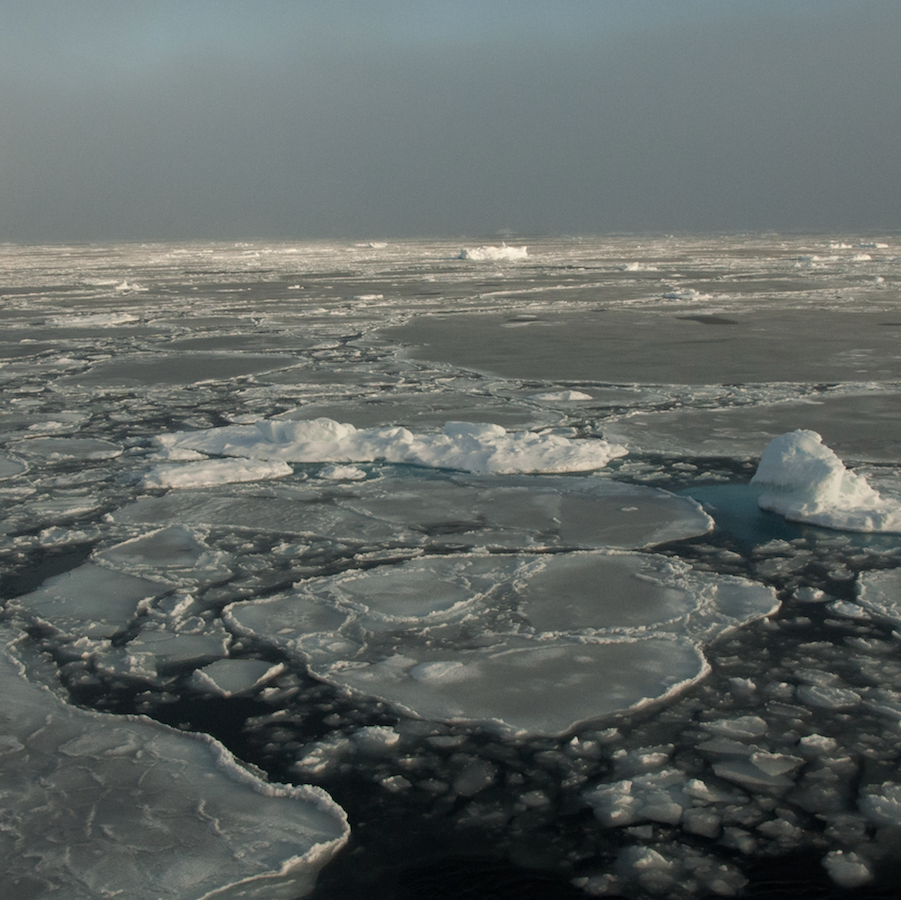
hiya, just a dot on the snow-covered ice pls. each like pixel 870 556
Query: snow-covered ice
pixel 488 252
pixel 803 480
pixel 468 446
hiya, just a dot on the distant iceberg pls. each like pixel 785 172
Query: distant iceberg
pixel 488 253
pixel 805 481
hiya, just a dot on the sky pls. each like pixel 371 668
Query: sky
pixel 303 119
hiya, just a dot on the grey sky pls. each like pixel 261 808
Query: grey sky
pixel 345 118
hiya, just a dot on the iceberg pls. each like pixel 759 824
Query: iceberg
pixel 803 480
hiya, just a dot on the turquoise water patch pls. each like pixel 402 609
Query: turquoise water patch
pixel 735 511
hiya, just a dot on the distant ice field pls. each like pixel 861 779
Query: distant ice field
pixel 569 564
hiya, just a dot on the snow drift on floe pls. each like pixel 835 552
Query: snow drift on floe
pixel 463 445
pixel 805 481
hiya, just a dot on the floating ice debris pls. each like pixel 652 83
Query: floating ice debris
pixel 562 638
pixel 561 396
pixel 803 480
pixel 228 677
pixel 10 466
pixel 880 593
pixel 209 472
pixel 89 600
pixel 464 445
pixel 686 294
pixel 342 473
pixel 110 806
pixel 481 254
pixel 847 870
pixel 111 318
pixel 60 448
pixel 497 687
pixel 881 804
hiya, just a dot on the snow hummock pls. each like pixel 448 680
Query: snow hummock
pixel 464 446
pixel 209 472
pixel 803 480
pixel 488 253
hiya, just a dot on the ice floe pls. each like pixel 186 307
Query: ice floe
pixel 484 626
pixel 803 480
pixel 513 512
pixel 116 806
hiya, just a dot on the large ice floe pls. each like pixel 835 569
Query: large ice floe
pixel 514 512
pixel 805 481
pixel 102 806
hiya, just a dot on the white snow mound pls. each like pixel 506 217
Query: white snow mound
pixel 464 446
pixel 805 481
pixel 481 254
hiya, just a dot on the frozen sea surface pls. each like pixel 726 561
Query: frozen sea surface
pixel 458 541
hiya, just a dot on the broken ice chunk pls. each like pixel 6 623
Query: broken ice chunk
pixel 847 870
pixel 90 600
pixel 10 466
pixel 471 447
pixel 59 448
pixel 880 593
pixel 228 677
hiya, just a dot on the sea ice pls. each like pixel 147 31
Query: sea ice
pixel 228 677
pixel 857 426
pixel 90 600
pixel 10 466
pixel 880 593
pixel 805 481
pixel 60 448
pixel 847 870
pixel 512 513
pixel 103 806
pixel 497 687
pixel 463 445
pixel 209 472
pixel 480 638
